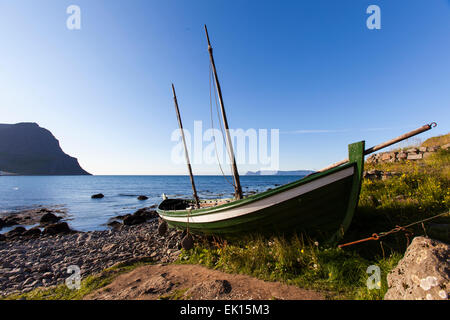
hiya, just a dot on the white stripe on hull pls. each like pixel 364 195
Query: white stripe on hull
pixel 266 202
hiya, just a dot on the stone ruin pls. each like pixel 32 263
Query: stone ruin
pixel 413 154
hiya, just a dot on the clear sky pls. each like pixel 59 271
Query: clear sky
pixel 311 69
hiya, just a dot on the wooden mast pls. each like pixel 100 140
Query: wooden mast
pixel 197 202
pixel 237 187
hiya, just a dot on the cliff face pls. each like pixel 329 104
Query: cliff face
pixel 27 149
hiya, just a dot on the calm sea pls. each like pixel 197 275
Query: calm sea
pixel 73 193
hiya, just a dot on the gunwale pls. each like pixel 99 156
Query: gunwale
pixel 252 198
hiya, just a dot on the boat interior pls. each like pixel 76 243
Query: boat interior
pixel 185 204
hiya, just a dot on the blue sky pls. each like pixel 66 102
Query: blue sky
pixel 311 69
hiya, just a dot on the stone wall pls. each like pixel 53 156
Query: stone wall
pixel 403 155
pixel 379 174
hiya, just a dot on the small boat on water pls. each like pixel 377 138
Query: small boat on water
pixel 320 205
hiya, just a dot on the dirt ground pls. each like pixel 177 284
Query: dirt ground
pixel 193 282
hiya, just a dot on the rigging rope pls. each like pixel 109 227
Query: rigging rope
pixel 377 236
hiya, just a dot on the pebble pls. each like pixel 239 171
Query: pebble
pixel 30 263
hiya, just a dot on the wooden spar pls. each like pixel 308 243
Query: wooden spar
pixel 197 202
pixel 400 138
pixel 386 144
pixel 238 188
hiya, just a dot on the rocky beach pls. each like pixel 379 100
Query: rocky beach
pixel 405 201
pixel 41 259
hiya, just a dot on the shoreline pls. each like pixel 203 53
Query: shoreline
pixel 121 195
pixel 42 262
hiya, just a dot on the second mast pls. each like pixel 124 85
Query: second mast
pixel 197 202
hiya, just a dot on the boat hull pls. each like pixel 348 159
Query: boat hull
pixel 320 205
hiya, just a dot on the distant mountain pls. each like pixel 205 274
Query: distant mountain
pixel 27 149
pixel 279 173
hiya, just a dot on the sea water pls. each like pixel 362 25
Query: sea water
pixel 73 193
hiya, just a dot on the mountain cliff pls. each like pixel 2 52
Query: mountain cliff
pixel 27 149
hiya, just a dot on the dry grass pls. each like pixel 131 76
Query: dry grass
pixel 437 141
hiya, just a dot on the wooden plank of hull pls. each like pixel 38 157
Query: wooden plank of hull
pixel 295 188
pixel 318 212
pixel 321 206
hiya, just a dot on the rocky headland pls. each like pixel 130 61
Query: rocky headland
pixel 28 149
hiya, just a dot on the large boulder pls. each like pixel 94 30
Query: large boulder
pixel 32 233
pixel 138 217
pixel 57 228
pixel 423 273
pixel 115 225
pixel 97 196
pixel 146 213
pixel 10 221
pixel 16 232
pixel 49 218
pixel 133 220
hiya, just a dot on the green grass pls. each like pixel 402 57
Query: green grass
pixel 437 141
pixel 420 191
pixel 339 274
pixel 88 285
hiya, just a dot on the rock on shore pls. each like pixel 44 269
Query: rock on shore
pixel 27 263
pixel 48 221
pixel 33 216
pixel 140 216
pixel 423 273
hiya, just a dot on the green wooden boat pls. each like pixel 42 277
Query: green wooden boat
pixel 321 205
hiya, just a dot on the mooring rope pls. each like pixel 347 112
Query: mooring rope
pixel 377 236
